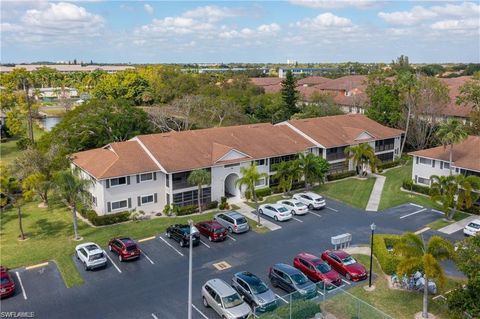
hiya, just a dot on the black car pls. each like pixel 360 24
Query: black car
pixel 292 280
pixel 181 233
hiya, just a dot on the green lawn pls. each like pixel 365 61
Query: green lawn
pixel 9 150
pixel 393 196
pixel 396 303
pixel 50 234
pixel 443 222
pixel 352 191
pixel 268 200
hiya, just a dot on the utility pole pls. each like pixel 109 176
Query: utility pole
pixel 190 223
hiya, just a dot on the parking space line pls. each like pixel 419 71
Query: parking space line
pixel 416 205
pixel 298 220
pixel 145 239
pixel 281 298
pixel 201 313
pixel 232 238
pixel 418 232
pixel 111 260
pixel 154 317
pixel 437 211
pixel 201 241
pixel 21 285
pixel 320 292
pixel 335 210
pixel 315 214
pixel 418 211
pixel 178 252
pixel 37 266
pixel 346 282
pixel 146 256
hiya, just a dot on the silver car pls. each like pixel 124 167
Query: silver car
pixel 254 291
pixel 90 255
pixel 233 221
pixel 217 294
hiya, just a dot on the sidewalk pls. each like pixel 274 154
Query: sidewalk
pixel 376 195
pixel 450 229
pixel 250 213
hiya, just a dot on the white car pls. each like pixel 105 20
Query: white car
pixel 473 228
pixel 296 207
pixel 275 211
pixel 91 255
pixel 312 200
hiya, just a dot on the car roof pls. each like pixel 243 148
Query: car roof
pixel 221 287
pixel 248 277
pixel 89 246
pixel 312 194
pixel 127 241
pixel 233 214
pixel 212 223
pixel 310 257
pixel 275 205
pixel 476 221
pixel 340 253
pixel 289 270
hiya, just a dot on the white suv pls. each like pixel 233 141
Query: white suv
pixel 312 200
pixel 473 228
pixel 91 255
pixel 225 300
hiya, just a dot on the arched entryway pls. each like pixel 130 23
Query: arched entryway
pixel 231 190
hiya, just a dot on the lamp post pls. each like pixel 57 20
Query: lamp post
pixel 190 246
pixel 372 227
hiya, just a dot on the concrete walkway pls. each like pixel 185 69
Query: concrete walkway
pixel 250 213
pixel 376 195
pixel 450 229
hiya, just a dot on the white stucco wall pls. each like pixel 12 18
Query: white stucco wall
pixel 427 170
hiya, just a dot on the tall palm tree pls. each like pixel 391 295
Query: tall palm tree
pixel 286 173
pixel 449 133
pixel 415 253
pixel 442 189
pixel 407 84
pixel 72 190
pixel 362 155
pixel 314 168
pixel 250 176
pixel 11 188
pixel 199 177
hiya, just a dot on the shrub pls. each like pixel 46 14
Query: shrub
pixel 387 259
pixel 107 219
pixel 223 206
pixel 389 164
pixel 212 205
pixel 23 143
pixel 299 310
pixel 186 210
pixel 167 209
pixel 473 210
pixel 409 185
pixel 248 195
pixel 336 176
pixel 262 192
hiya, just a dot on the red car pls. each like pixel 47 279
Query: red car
pixel 345 264
pixel 212 229
pixel 7 285
pixel 124 247
pixel 316 269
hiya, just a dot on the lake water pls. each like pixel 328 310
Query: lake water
pixel 49 122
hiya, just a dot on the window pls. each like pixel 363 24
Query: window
pixel 385 157
pixel 260 182
pixel 120 204
pixel 260 162
pixel 146 177
pixel 335 153
pixel 147 199
pixel 338 167
pixel 424 181
pixel 191 197
pixel 232 165
pixel 446 165
pixel 425 161
pixel 167 180
pixel 118 181
pixel 384 145
pixel 168 199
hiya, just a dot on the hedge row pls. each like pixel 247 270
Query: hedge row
pixel 335 176
pixel 262 192
pixel 103 220
pixel 299 310
pixel 408 184
pixel 389 164
pixel 387 259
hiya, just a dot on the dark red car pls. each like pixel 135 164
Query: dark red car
pixel 345 264
pixel 7 285
pixel 212 229
pixel 316 269
pixel 124 247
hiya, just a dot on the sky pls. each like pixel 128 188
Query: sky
pixel 239 31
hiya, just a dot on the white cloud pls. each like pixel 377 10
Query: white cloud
pixel 456 24
pixel 333 4
pixel 324 21
pixel 249 33
pixel 211 13
pixel 416 15
pixel 148 8
pixel 269 28
pixel 466 9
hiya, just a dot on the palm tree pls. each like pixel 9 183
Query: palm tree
pixel 362 155
pixel 72 190
pixel 407 84
pixel 199 177
pixel 286 173
pixel 250 176
pixel 449 133
pixel 414 253
pixel 442 189
pixel 314 168
pixel 10 187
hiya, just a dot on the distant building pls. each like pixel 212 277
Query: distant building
pixel 282 73
pixel 49 94
pixel 67 68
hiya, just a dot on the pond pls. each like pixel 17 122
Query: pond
pixel 49 122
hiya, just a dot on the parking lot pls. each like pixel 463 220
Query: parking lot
pixel 155 285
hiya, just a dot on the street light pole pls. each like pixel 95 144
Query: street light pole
pixel 190 223
pixel 372 227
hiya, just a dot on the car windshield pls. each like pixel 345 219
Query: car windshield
pixel 474 225
pixel 259 287
pixel 348 261
pixel 282 209
pixel 299 279
pixel 219 230
pixel 4 280
pixel 300 204
pixel 319 199
pixel 96 257
pixel 241 220
pixel 323 268
pixel 232 301
pixel 131 247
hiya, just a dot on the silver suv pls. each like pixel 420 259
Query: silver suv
pixel 91 255
pixel 233 221
pixel 217 294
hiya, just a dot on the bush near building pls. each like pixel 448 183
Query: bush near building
pixel 388 261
